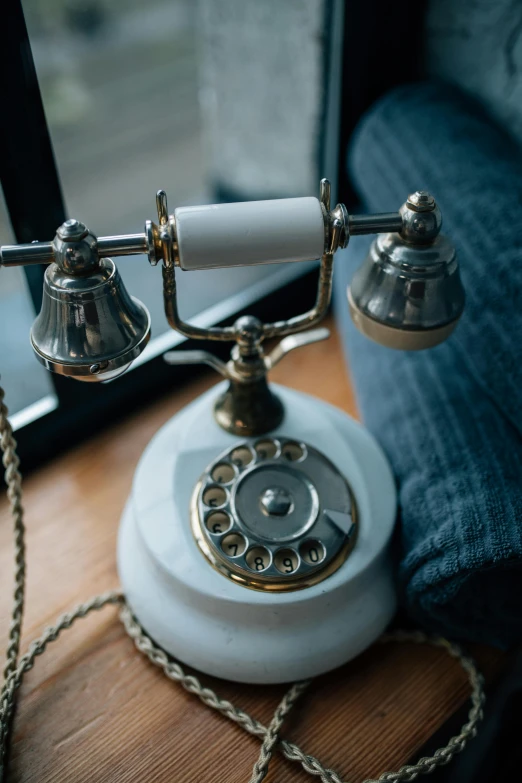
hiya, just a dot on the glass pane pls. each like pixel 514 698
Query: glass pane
pixel 121 84
pixel 28 386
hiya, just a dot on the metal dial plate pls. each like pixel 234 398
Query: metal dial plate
pixel 275 514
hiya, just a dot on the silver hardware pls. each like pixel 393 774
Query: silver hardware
pixel 228 370
pixel 374 224
pixel 127 245
pixel 292 342
pixel 89 328
pixel 408 294
pixel 276 502
pixel 76 249
pixel 421 219
pixel 421 201
pixel 72 229
pixel 249 407
pixel 285 518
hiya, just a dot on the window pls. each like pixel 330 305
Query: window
pixel 135 97
pixel 29 388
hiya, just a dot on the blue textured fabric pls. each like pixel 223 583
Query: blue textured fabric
pixel 450 418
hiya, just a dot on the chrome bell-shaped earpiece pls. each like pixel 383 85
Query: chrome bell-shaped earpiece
pixel 89 328
pixel 408 294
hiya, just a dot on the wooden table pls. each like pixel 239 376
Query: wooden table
pixel 93 709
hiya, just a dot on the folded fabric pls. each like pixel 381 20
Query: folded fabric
pixel 450 418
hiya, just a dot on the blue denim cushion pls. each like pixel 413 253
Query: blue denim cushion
pixel 450 418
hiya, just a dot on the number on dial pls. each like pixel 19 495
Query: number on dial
pixel 258 558
pixel 233 545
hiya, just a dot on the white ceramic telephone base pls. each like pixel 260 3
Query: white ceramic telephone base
pixel 226 629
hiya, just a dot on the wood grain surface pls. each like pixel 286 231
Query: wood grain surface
pixel 93 709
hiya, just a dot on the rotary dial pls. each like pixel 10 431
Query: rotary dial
pixel 274 514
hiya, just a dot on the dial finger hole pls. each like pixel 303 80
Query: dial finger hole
pixel 214 497
pixel 292 451
pixel 286 561
pixel 266 449
pixel 217 522
pixel 233 545
pixel 258 558
pixel 223 473
pixel 312 552
pixel 242 456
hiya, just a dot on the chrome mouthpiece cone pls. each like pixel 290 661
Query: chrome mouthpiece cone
pixel 89 328
pixel 407 294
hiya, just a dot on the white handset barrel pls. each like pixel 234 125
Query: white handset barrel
pixel 250 232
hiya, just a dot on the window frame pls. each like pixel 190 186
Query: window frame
pixel 359 37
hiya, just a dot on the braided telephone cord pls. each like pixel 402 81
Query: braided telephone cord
pixel 271 739
pixel 15 669
pixel 310 764
pixel 13 480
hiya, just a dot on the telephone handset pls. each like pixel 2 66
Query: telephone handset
pixel 254 545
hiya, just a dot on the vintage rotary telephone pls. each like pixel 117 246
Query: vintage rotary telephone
pixel 254 545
